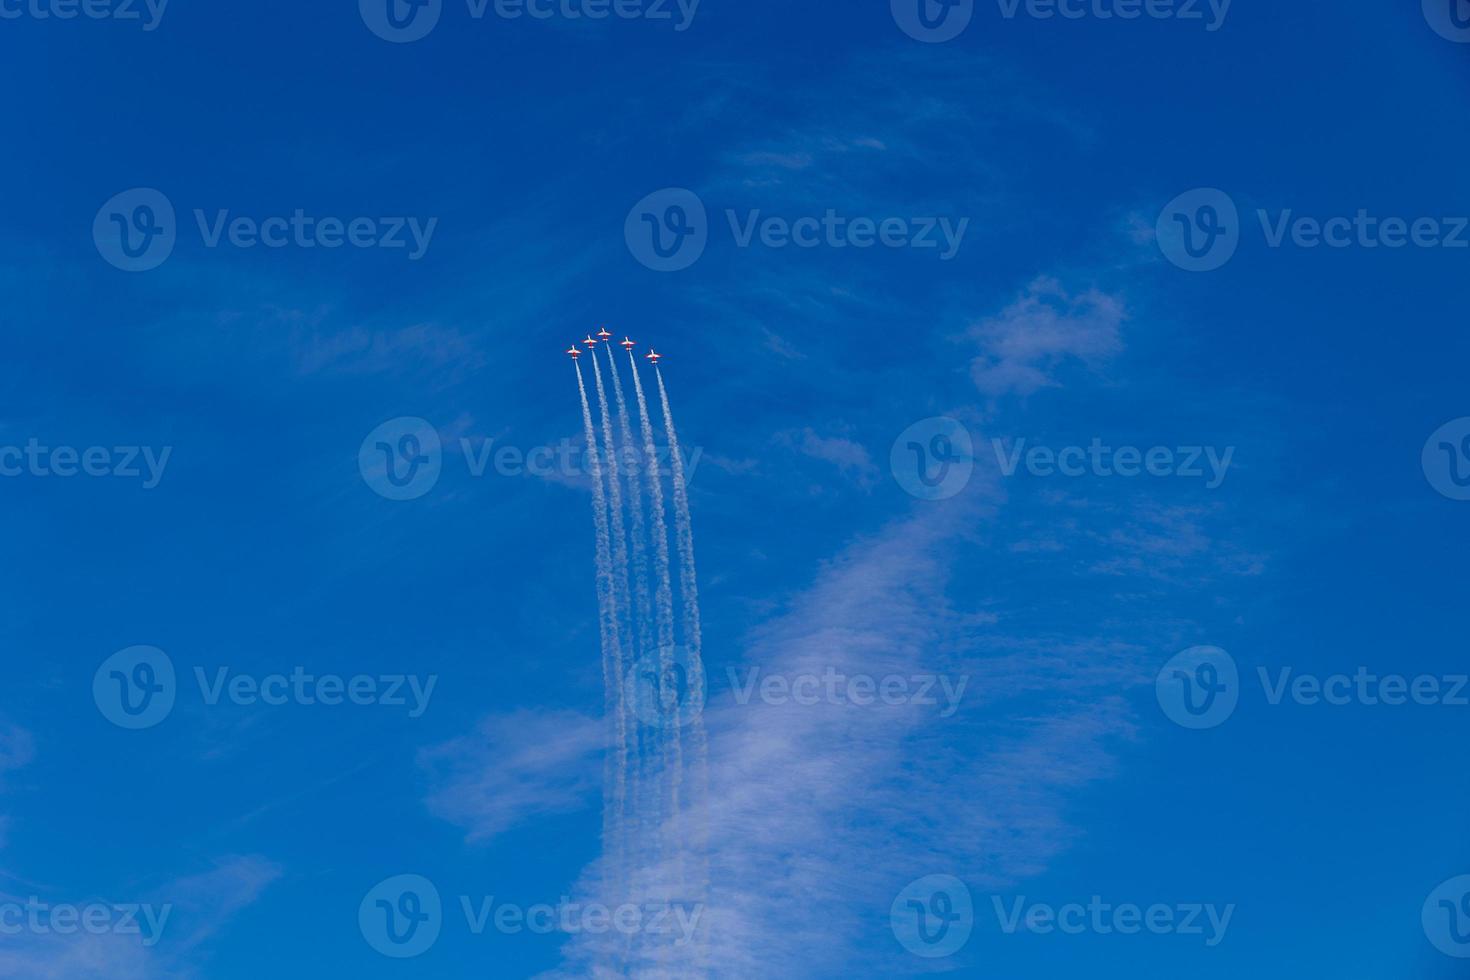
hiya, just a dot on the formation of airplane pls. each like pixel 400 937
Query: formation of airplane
pixel 604 337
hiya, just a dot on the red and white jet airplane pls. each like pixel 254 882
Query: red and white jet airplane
pixel 573 352
pixel 589 342
pixel 627 344
pixel 603 335
pixel 654 356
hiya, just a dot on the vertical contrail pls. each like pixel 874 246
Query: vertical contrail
pixel 688 581
pixel 613 803
pixel 663 603
pixel 693 637
pixel 619 579
pixel 642 630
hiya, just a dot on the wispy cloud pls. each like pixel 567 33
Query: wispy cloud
pixel 208 900
pixel 515 767
pixel 851 458
pixel 17 748
pixel 191 909
pixel 364 350
pixel 1024 345
pixel 819 814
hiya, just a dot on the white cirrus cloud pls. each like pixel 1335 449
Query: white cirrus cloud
pixel 515 767
pixel 1023 345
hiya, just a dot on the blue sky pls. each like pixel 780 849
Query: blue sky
pixel 259 544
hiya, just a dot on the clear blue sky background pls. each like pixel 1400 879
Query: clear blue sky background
pixel 793 371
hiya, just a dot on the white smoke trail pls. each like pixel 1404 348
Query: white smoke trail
pixel 612 809
pixel 619 576
pixel 688 581
pixel 672 761
pixel 693 640
pixel 642 628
